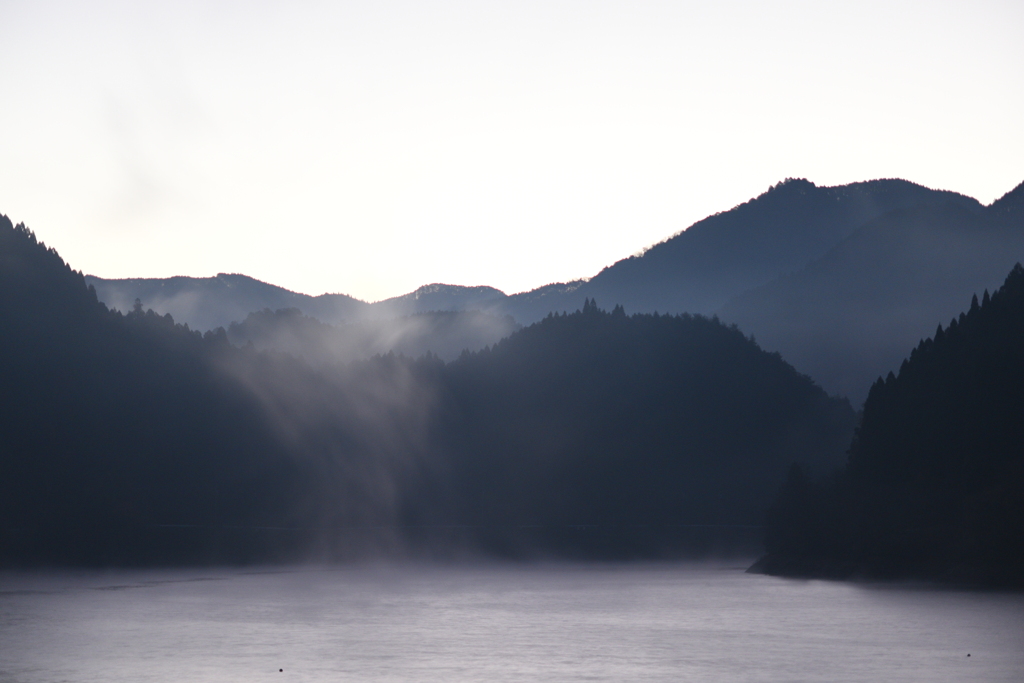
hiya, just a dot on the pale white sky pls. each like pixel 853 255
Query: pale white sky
pixel 372 147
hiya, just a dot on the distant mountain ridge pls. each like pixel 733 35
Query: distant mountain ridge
pixel 206 303
pixel 741 264
pixel 441 297
pixel 728 253
pixel 695 271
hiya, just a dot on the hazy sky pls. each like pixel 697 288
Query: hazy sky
pixel 372 147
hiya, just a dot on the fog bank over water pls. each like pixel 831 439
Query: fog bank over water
pixel 497 622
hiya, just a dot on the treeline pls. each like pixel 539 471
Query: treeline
pixel 936 469
pixel 130 439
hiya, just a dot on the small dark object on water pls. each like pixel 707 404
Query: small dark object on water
pixel 282 670
pixel 968 654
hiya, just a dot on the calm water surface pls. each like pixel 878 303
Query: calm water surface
pixel 498 623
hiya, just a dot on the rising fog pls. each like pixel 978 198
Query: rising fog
pixel 444 334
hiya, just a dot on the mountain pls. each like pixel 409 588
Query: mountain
pixel 115 424
pixel 130 439
pixel 724 255
pixel 440 297
pixel 840 280
pixel 848 317
pixel 696 271
pixel 933 484
pixel 703 267
pixel 598 434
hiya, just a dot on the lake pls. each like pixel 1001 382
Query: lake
pixel 518 622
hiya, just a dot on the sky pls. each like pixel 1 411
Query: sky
pixel 369 148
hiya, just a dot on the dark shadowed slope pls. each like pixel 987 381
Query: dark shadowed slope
pixel 114 424
pixel 129 439
pixel 636 427
pixel 849 316
pixel 936 470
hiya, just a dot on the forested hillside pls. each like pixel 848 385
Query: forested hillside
pixel 626 429
pixel 131 439
pixel 128 438
pixel 935 474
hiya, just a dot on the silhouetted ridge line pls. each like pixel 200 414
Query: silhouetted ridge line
pixel 1010 203
pixel 840 280
pixel 696 271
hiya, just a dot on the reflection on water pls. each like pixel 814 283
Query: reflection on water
pixel 498 623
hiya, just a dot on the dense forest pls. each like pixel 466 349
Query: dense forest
pixel 629 430
pixel 933 483
pixel 131 439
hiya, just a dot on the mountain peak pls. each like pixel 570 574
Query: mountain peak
pixel 1011 202
pixel 792 184
pixel 441 288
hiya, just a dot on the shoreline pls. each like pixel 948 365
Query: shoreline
pixel 962 577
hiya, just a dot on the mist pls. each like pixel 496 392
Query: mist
pixel 445 334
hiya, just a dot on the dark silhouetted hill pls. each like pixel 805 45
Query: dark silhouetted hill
pixel 849 316
pixel 611 434
pixel 130 439
pixel 936 469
